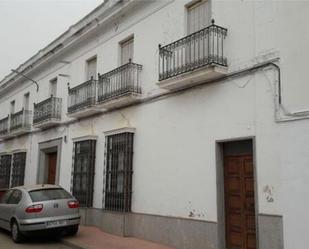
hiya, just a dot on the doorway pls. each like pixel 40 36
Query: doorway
pixel 49 162
pixel 52 167
pixel 239 195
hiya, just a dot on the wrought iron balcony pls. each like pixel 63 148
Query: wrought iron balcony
pixel 47 113
pixel 20 122
pixel 82 98
pixel 119 86
pixel 4 127
pixel 203 49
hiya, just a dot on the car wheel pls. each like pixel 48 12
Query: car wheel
pixel 73 230
pixel 15 232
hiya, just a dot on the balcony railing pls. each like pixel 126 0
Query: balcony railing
pixel 20 120
pixel 47 110
pixel 202 48
pixel 82 96
pixel 119 82
pixel 4 126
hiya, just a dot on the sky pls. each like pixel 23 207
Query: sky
pixel 26 26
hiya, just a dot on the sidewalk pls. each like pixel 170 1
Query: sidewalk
pixel 94 238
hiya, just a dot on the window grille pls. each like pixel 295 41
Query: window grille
pixel 5 171
pixel 18 169
pixel 83 172
pixel 118 188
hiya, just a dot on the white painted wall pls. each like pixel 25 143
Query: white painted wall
pixel 174 147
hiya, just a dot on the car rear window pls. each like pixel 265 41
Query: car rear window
pixel 49 194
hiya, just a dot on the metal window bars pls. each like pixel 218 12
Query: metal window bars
pixel 118 172
pixel 82 96
pixel 83 172
pixel 120 81
pixel 202 48
pixel 47 110
pixel 18 169
pixel 5 171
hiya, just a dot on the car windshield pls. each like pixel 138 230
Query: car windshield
pixel 49 194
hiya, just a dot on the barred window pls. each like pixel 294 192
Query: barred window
pixel 118 188
pixel 5 171
pixel 83 171
pixel 18 169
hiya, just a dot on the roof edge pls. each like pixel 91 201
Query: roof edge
pixel 57 44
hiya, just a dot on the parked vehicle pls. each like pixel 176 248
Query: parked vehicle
pixel 38 208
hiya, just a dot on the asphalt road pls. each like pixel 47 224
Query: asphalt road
pixel 30 243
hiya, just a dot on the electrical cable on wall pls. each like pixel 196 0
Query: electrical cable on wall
pixel 26 77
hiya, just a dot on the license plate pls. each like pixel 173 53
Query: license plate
pixel 56 223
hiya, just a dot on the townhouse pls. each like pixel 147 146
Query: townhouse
pixel 181 122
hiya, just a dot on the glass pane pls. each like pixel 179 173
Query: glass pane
pixel 49 194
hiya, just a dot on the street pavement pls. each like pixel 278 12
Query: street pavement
pixel 30 243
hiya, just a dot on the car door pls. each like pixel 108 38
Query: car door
pixel 4 222
pixel 12 204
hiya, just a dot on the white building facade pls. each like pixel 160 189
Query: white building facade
pixel 181 122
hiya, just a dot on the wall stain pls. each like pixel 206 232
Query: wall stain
pixel 268 191
pixel 193 213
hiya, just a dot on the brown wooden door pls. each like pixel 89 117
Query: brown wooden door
pixel 239 202
pixel 52 165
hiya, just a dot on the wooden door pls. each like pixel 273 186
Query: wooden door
pixel 52 166
pixel 239 202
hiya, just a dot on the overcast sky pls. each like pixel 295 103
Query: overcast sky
pixel 26 26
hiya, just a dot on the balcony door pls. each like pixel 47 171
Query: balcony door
pixel 198 16
pixel 127 49
pixel 26 101
pixel 12 107
pixel 126 78
pixel 91 68
pixel 53 87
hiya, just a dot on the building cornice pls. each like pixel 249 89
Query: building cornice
pixel 99 17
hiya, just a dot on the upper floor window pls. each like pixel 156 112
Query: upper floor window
pixel 198 16
pixel 26 101
pixel 53 87
pixel 127 49
pixel 91 68
pixel 12 107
